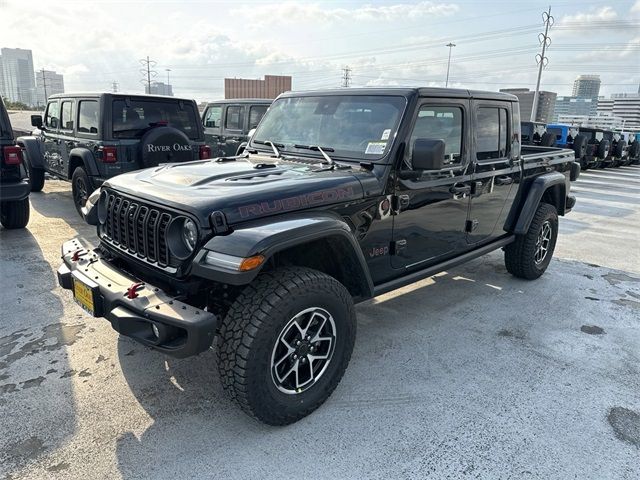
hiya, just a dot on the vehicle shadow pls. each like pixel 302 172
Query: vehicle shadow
pixel 197 431
pixel 35 386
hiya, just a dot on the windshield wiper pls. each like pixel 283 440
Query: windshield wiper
pixel 274 146
pixel 322 150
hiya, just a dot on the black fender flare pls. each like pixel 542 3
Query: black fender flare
pixel 87 158
pixel 537 190
pixel 34 151
pixel 269 236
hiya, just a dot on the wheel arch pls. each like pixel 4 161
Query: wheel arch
pixel 34 152
pixel 549 188
pixel 321 241
pixel 81 157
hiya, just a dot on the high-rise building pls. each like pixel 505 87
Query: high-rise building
pixel 270 87
pixel 47 84
pixel 546 103
pixel 623 105
pixel 586 86
pixel 18 81
pixel 159 88
pixel 574 106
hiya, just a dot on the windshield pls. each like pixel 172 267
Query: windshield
pixel 132 120
pixel 359 127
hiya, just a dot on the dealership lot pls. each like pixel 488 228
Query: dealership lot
pixel 471 373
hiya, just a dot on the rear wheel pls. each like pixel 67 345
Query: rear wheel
pixel 285 344
pixel 15 213
pixel 529 255
pixel 580 147
pixel 80 186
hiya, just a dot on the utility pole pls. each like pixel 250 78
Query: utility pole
pixel 147 72
pixel 450 45
pixel 44 86
pixel 542 60
pixel 114 87
pixel 346 76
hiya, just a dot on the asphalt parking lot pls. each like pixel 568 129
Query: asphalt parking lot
pixel 469 374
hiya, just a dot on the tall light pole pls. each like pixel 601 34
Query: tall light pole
pixel 450 45
pixel 168 70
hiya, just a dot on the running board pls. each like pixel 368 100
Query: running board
pixel 440 267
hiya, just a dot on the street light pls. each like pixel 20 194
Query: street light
pixel 450 45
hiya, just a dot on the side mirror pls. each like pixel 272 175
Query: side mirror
pixel 427 154
pixel 36 121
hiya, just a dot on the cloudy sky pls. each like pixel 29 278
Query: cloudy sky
pixel 396 42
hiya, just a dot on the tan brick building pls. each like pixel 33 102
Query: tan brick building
pixel 270 87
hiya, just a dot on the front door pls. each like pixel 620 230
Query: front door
pixel 212 122
pixel 51 139
pixel 233 130
pixel 433 207
pixel 497 169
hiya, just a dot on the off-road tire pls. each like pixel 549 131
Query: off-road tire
pixel 78 180
pixel 519 256
pixel 548 139
pixel 36 175
pixel 580 147
pixel 252 326
pixel 15 213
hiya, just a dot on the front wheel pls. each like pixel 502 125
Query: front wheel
pixel 529 255
pixel 285 344
pixel 80 188
pixel 15 213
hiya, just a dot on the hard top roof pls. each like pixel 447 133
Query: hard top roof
pixel 261 101
pixel 408 91
pixel 143 96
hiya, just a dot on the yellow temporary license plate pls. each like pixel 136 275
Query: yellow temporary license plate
pixel 83 296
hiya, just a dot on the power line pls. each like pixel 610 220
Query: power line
pixel 146 71
pixel 114 87
pixel 346 76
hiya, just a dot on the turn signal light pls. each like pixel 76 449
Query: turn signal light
pixel 205 152
pixel 251 263
pixel 109 154
pixel 12 155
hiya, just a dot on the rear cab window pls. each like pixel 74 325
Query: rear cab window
pixel 492 132
pixel 133 118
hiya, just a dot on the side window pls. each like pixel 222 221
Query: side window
pixel 234 120
pixel 255 115
pixel 213 117
pixel 52 117
pixel 66 116
pixel 88 116
pixel 491 133
pixel 440 122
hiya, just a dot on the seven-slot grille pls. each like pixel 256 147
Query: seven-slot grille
pixel 138 228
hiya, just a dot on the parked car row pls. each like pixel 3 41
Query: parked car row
pixel 593 147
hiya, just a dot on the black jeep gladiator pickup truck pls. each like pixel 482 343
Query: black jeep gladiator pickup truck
pixel 90 137
pixel 340 196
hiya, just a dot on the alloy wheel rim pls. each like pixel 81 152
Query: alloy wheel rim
pixel 303 350
pixel 542 243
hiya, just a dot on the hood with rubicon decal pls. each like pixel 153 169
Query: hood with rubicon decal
pixel 163 144
pixel 243 190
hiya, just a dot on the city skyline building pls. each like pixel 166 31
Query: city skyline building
pixel 159 88
pixel 48 83
pixel 546 103
pixel 18 77
pixel 586 86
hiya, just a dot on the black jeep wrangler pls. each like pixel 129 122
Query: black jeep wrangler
pixel 88 138
pixel 598 147
pixel 227 124
pixel 535 133
pixel 14 182
pixel 341 195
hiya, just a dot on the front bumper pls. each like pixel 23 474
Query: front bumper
pixel 183 330
pixel 15 190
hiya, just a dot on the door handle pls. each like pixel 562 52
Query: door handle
pixel 504 180
pixel 459 188
pixel 223 139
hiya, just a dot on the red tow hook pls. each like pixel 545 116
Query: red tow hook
pixel 77 254
pixel 132 290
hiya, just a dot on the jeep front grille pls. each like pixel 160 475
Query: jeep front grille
pixel 138 229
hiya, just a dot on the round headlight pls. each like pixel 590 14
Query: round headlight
pixel 190 234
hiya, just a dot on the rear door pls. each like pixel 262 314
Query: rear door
pixel 433 207
pixel 233 129
pixel 66 132
pixel 256 112
pixel 212 122
pixel 50 138
pixel 496 170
